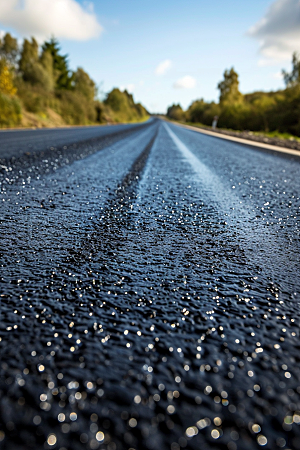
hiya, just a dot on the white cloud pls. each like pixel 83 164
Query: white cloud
pixel 278 76
pixel 186 82
pixel 65 19
pixel 278 32
pixel 129 88
pixel 89 6
pixel 163 67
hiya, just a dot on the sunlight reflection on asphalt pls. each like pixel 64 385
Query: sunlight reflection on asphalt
pixel 150 295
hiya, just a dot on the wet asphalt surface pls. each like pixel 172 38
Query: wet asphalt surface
pixel 149 292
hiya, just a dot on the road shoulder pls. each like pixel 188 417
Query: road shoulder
pixel 241 141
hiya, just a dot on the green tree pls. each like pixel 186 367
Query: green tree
pixel 46 62
pixel 38 76
pixel 120 107
pixel 38 71
pixel 116 100
pixel 9 49
pixel 263 107
pixel 293 78
pixel 29 56
pixel 229 87
pixel 196 111
pixel 64 78
pixel 142 112
pixel 175 112
pixel 84 84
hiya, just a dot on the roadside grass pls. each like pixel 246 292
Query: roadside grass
pixel 51 119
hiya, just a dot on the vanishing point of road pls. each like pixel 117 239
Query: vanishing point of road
pixel 149 291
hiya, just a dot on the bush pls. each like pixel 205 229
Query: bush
pixel 38 76
pixel 76 109
pixel 36 99
pixel 7 86
pixel 202 112
pixel 10 111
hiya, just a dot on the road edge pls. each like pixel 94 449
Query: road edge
pixel 242 141
pixel 70 126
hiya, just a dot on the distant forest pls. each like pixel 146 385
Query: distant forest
pixel 260 111
pixel 37 88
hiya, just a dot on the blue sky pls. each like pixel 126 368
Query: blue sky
pixel 122 43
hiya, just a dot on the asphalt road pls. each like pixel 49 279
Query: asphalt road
pixel 149 291
pixel 15 143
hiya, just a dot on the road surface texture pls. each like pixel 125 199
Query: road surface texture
pixel 149 291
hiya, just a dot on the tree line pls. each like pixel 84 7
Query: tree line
pixel 36 80
pixel 259 111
